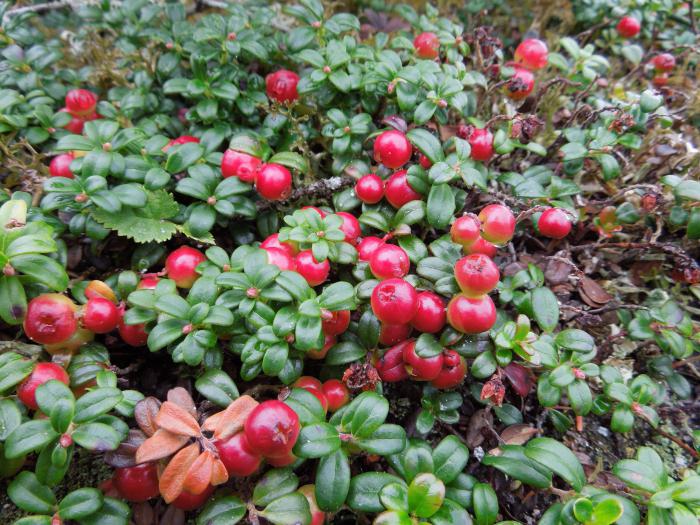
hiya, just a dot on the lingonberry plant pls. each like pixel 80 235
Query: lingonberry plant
pixel 309 263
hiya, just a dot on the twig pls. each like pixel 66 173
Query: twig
pixel 691 15
pixel 666 248
pixel 678 441
pixel 38 8
pixel 317 188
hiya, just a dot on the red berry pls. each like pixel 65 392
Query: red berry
pixel 318 393
pixel 314 272
pixel 272 241
pixel 664 62
pixel 317 515
pixel 430 314
pixel 454 369
pixel 394 301
pixel 392 149
pixel 100 315
pixel 272 428
pixel 424 162
pixel 476 274
pixel 391 334
pixel 398 191
pixel 481 142
pixel 281 86
pixel 274 182
pixel 350 227
pixel 306 382
pixel 184 139
pixel 481 246
pixel 367 246
pixel 427 45
pixel 280 258
pixel 187 501
pixel 133 334
pixel 281 461
pixel 237 456
pixel 471 315
pixel 390 366
pixel 628 27
pixel 181 266
pixel 497 223
pixel 60 166
pixel 81 102
pixel 148 282
pixel 389 261
pixel 138 483
pixel 554 223
pixel 466 230
pixel 320 353
pixel 335 323
pixel 421 368
pixel 531 54
pixel 660 80
pixel 75 125
pixel 239 164
pixel 42 373
pixel 50 319
pixel 520 84
pixel 336 393
pixel 370 189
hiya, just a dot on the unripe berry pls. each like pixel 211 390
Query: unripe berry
pixel 389 261
pixel 394 301
pixel 471 315
pixel 554 223
pixel 274 182
pixel 427 45
pixel 430 313
pixel 532 54
pixel 42 373
pixel 497 223
pixel 281 86
pixel 60 166
pixel 398 191
pixel 466 230
pixel 628 27
pixel 481 142
pixel 370 189
pixel 241 165
pixel 181 266
pixel 476 274
pixel 392 149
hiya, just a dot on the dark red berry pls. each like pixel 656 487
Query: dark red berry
pixel 50 319
pixel 398 191
pixel 430 313
pixel 481 142
pixel 350 227
pixel 274 182
pixel 388 261
pixel 370 189
pixel 392 149
pixel 272 428
pixel 471 315
pixel 394 301
pixel 367 246
pixel 237 456
pixel 181 266
pixel 81 102
pixel 138 483
pixel 421 368
pixel 476 274
pixel 100 315
pixel 281 86
pixel 314 272
pixel 628 27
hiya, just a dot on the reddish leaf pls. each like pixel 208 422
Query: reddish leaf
pixel 182 397
pixel 219 474
pixel 199 474
pixel 174 418
pixel 493 390
pixel 592 293
pixel 145 413
pixel 229 422
pixel 172 480
pixel 520 378
pixel 160 445
pixel 125 455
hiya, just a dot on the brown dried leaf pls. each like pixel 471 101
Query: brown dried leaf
pixel 219 474
pixel 143 513
pixel 160 445
pixel 592 293
pixel 182 397
pixel 518 434
pixel 519 377
pixel 233 418
pixel 479 421
pixel 172 516
pixel 176 419
pixel 557 272
pixel 199 475
pixel 172 480
pixel 125 455
pixel 145 413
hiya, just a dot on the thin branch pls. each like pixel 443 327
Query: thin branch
pixel 323 186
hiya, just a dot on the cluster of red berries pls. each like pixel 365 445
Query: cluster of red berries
pixel 663 64
pixel 444 370
pixel 272 181
pixel 332 394
pixel 530 55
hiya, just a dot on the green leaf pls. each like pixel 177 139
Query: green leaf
pixel 337 296
pixel 344 353
pixel 485 504
pixel 290 160
pixel 274 484
pixel 145 224
pixel 42 269
pixel 576 340
pixel 97 437
pixel 637 475
pixel 217 386
pixel 306 405
pixel 290 509
pixel 545 308
pixel 425 495
pixel 30 436
pixel 365 488
pixel 387 439
pixel 515 464
pixel 317 440
pixel 558 458
pixel 365 414
pixel 688 189
pixel 449 458
pixel 427 346
pixel 30 495
pixel 13 369
pixel 226 510
pixel 96 402
pixel 427 143
pixel 13 307
pixel 441 205
pixel 332 481
pixel 112 512
pixel 10 418
pixel 80 504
